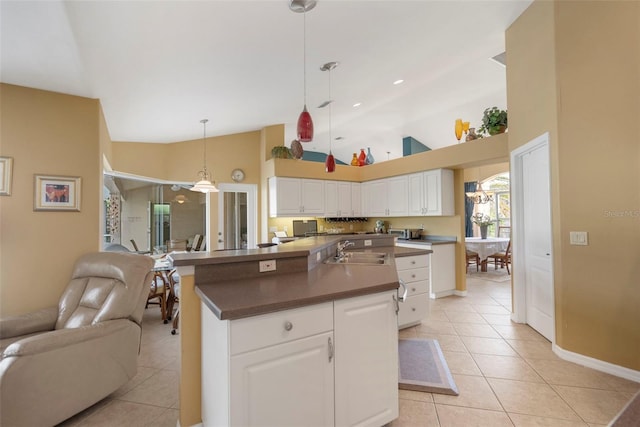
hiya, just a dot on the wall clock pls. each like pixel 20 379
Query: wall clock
pixel 237 175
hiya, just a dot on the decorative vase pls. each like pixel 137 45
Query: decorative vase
pixel 354 160
pixel 458 129
pixel 369 159
pixel 471 135
pixel 362 157
pixel 296 149
pixel 483 231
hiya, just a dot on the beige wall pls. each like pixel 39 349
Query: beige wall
pixel 56 134
pixel 574 70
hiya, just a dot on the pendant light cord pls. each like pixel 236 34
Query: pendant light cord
pixel 204 144
pixel 330 112
pixel 304 53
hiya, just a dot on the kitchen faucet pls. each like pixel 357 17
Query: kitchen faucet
pixel 341 247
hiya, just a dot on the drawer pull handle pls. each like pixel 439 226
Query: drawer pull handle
pixel 413 276
pixel 413 262
pixel 413 289
pixel 288 326
pixel 413 309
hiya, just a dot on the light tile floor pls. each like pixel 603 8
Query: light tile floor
pixel 506 373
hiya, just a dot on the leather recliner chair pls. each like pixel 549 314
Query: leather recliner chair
pixel 59 361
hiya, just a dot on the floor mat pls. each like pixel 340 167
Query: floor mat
pixel 423 367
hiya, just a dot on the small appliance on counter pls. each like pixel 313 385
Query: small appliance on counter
pixel 281 237
pixel 406 233
pixel 302 228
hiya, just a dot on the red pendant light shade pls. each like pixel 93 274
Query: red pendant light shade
pixel 305 126
pixel 330 163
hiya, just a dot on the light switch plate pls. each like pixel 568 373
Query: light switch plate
pixel 580 238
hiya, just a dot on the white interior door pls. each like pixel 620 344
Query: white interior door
pixel 237 216
pixel 533 261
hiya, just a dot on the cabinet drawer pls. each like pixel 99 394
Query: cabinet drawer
pixel 414 274
pixel 405 262
pixel 275 328
pixel 419 287
pixel 413 310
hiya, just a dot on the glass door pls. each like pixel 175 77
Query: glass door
pixel 237 216
pixel 160 225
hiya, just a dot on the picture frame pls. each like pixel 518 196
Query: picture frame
pixel 57 193
pixel 6 172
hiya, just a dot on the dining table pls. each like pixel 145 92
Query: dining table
pixel 486 247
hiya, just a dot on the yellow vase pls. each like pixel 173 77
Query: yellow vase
pixel 458 129
pixel 354 160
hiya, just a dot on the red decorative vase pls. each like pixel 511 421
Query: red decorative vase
pixel 330 163
pixel 362 158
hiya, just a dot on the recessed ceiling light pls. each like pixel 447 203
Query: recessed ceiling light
pixel 357 104
pixel 397 82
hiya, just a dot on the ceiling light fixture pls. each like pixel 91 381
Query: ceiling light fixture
pixel 397 82
pixel 204 185
pixel 357 104
pixel 479 197
pixel 330 162
pixel 305 123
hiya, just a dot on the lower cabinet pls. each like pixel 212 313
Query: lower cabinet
pixel 414 271
pixel 327 364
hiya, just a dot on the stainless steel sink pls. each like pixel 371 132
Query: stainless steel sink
pixel 363 258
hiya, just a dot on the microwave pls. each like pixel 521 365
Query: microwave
pixel 405 233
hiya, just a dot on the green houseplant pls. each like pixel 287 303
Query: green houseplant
pixel 494 121
pixel 281 152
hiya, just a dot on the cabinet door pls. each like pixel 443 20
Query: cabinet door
pixel 377 198
pixel 397 196
pixel 432 192
pixel 312 197
pixel 331 199
pixel 416 194
pixel 344 199
pixel 290 384
pixel 366 364
pixel 284 196
pixel 356 199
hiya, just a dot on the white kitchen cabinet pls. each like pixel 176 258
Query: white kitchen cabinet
pixel 326 364
pixel 442 269
pixel 356 199
pixel 387 197
pixel 414 271
pixel 366 364
pixel 431 193
pixel 338 199
pixel 296 197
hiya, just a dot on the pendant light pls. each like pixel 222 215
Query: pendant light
pixel 330 162
pixel 204 185
pixel 305 123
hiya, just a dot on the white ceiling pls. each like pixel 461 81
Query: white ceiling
pixel 159 67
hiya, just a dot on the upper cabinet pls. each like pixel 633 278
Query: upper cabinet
pixel 296 197
pixel 341 200
pixel 386 197
pixel 431 193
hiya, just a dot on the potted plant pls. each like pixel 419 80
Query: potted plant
pixel 494 121
pixel 483 221
pixel 281 152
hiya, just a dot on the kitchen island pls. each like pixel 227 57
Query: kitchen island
pixel 295 339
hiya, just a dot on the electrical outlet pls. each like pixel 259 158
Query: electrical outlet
pixel 319 256
pixel 285 228
pixel 367 242
pixel 269 265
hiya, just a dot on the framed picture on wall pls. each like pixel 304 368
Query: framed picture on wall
pixel 6 165
pixel 57 193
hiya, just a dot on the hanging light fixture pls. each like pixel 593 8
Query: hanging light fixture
pixel 330 162
pixel 305 123
pixel 479 197
pixel 204 185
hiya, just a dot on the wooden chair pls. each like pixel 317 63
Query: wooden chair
pixel 197 243
pixel 473 258
pixel 504 231
pixel 503 257
pixel 172 299
pixel 158 294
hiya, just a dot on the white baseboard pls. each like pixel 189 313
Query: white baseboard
pixel 460 293
pixel 442 294
pixel 598 365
